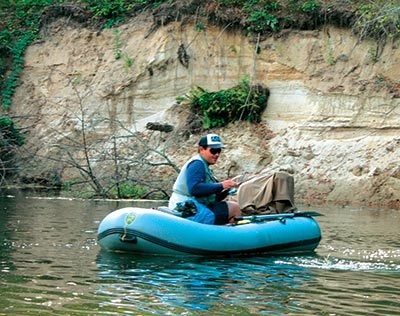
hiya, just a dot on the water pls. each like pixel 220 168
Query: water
pixel 51 264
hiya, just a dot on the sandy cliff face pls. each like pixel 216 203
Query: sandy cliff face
pixel 334 104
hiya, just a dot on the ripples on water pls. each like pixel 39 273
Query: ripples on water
pixel 51 265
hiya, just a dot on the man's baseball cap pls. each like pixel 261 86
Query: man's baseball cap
pixel 211 140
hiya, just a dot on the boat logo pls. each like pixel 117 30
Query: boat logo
pixel 130 218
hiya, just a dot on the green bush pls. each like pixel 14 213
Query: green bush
pixel 261 21
pixel 218 109
pixel 261 15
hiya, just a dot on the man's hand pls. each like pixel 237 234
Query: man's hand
pixel 227 184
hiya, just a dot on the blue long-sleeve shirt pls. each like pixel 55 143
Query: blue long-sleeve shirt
pixel 195 178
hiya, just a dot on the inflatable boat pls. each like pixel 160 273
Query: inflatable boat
pixel 154 231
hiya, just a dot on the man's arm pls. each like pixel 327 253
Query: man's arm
pixel 195 180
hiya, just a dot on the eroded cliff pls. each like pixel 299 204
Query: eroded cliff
pixel 332 119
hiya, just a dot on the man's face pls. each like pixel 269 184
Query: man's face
pixel 210 155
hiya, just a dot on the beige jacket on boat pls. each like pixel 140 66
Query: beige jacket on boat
pixel 260 193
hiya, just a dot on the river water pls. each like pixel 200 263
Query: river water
pixel 51 264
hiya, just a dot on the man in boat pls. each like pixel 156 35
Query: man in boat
pixel 265 193
pixel 197 181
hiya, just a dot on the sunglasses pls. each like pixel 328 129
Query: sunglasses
pixel 215 151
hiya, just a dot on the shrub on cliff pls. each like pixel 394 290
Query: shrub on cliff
pixel 217 109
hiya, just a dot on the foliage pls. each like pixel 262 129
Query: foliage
pixel 18 64
pixel 10 135
pixel 199 27
pixel 378 19
pixel 114 11
pixel 261 21
pixel 129 190
pixel 261 15
pixel 304 6
pixel 218 109
pixel 10 139
pixel 370 19
pixel 23 23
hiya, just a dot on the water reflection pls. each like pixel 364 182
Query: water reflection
pixel 6 208
pixel 257 284
pixel 51 264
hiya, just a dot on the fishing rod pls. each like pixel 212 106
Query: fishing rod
pixel 268 217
